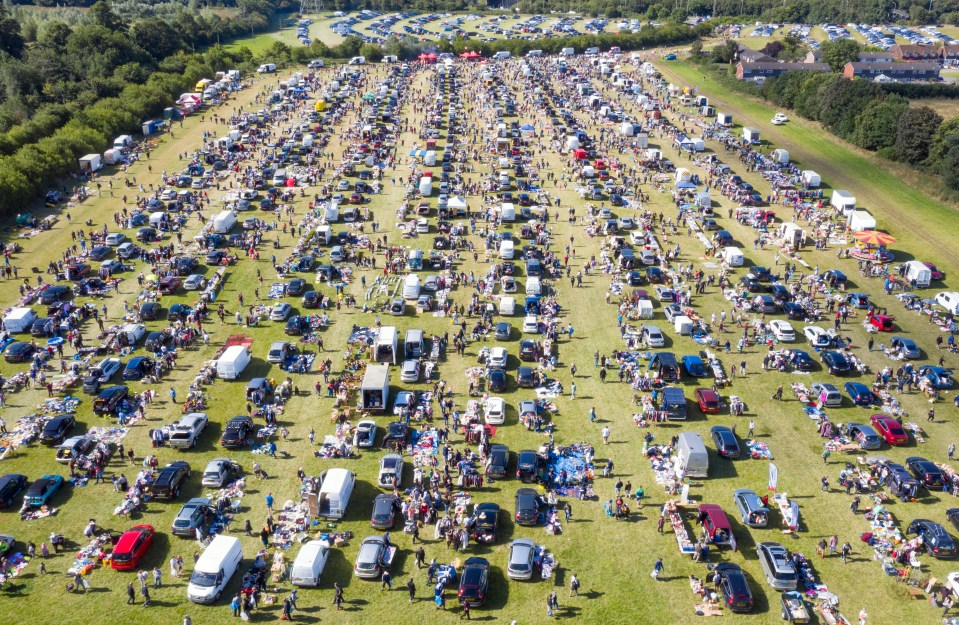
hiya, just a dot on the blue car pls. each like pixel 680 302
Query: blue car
pixel 860 394
pixel 137 368
pixel 939 376
pixel 694 366
pixel 42 490
pixel 835 362
pixel 906 347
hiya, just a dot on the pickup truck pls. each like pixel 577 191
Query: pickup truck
pixel 185 432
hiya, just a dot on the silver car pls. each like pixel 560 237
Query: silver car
pixel 280 312
pixel 369 561
pixel 521 554
pixel 194 282
pixel 410 371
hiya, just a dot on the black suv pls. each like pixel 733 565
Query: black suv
pixel 237 432
pixel 56 429
pixel 109 399
pixel 170 479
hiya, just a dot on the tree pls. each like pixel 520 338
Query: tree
pixel 156 37
pixel 877 124
pixel 103 14
pixel 11 39
pixel 917 126
pixel 839 52
pixel 942 141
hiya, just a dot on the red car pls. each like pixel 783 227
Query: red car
pixel 356 198
pixel 132 546
pixel 708 400
pixel 889 429
pixel 883 323
pixel 169 285
pixel 935 274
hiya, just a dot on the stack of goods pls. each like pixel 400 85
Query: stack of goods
pixel 759 450
pixel 291 523
pixel 425 445
pixel 570 470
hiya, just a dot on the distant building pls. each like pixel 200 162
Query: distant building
pixel 892 72
pixel 949 54
pixel 813 56
pixel 749 55
pixel 760 71
pixel 876 57
pixel 910 52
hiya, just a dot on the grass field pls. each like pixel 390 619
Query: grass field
pixel 945 107
pixel 613 559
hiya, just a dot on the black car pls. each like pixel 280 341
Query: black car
pixel 56 429
pixel 54 294
pixel 179 312
pixel 215 257
pixel 397 434
pixel 497 461
pixel 237 432
pixel 311 299
pixel 474 582
pixel 735 587
pixel 528 465
pixel 19 352
pixel 11 485
pixel 935 538
pixel 170 480
pixel 529 506
pixel 385 509
pixel 925 471
pixel 634 278
pixel 146 235
pixel 150 311
pixel 109 399
pixel 185 266
pixel 526 377
pixel 527 350
pixel 297 325
pixel 43 328
pixel 296 286
pixel 779 292
pixel 502 331
pixel 138 368
pixel 486 517
pixel 497 381
pixel 157 340
pixel 835 362
pixel 726 444
pixel 794 311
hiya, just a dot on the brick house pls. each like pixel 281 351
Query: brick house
pixel 762 70
pixel 898 72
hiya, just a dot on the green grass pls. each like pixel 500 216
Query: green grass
pixel 612 559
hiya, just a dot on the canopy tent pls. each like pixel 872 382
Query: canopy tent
pixel 457 203
pixel 874 238
pixel 418 153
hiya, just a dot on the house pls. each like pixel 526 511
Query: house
pixel 875 57
pixel 749 55
pixel 949 53
pixel 813 56
pixel 910 52
pixel 762 70
pixel 892 72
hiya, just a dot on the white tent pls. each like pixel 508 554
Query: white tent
pixel 626 129
pixel 457 203
pixel 644 308
pixel 683 324
pixel 683 174
pixel 861 220
pixel 811 178
pixel 781 156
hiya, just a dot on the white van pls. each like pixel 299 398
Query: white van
pixel 234 360
pixel 335 493
pixel 414 346
pixel 916 270
pixel 279 177
pixel 692 455
pixel 309 564
pixel 949 300
pixel 132 333
pixel 411 286
pixel 733 256
pixel 533 53
pixel 324 234
pixel 357 60
pixel 506 250
pixel 507 212
pixel 390 58
pixel 567 51
pixel 507 306
pixel 533 286
pixel 502 55
pixel 266 68
pixel 213 570
pixel 224 222
pixel 19 320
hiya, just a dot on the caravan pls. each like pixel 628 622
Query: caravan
pixel 387 345
pixel 692 454
pixel 334 495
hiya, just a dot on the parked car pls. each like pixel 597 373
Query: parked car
pixel 391 471
pixel 109 399
pixel 528 506
pixel 132 547
pixel 11 485
pixel 397 434
pixel 827 394
pixel 497 461
pixel 926 471
pixel 752 511
pixel 734 587
pixel 138 368
pixel 835 362
pixel 170 480
pixel 935 538
pixel 726 444
pixel 219 471
pixel 386 507
pixel 237 432
pixel 528 466
pixel 410 371
pixel 708 400
pixel 520 563
pixel 370 559
pixel 193 514
pixel 42 490
pixel 889 429
pixel 365 434
pixel 474 582
pixel 56 429
pixel 860 394
pixel 486 526
pixel 864 435
pixel 495 411
pixel 777 566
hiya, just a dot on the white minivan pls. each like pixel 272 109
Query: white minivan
pixel 411 286
pixel 309 564
pixel 214 568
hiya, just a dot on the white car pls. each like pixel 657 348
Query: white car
pixel 653 337
pixel 115 238
pixel 422 226
pixel 497 358
pixel 107 368
pixel 410 371
pixel 365 434
pixel 112 265
pixel 636 237
pixel 185 432
pixel 391 471
pixel 218 471
pixel 280 312
pixel 527 408
pixel 343 185
pixel 626 223
pixel 779 119
pixel 782 330
pixel 495 411
pixel 430 283
pixel 817 336
pixel 168 194
pixel 530 324
pixel 194 282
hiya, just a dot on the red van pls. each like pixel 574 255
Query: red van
pixel 716 525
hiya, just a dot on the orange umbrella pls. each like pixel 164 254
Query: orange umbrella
pixel 874 238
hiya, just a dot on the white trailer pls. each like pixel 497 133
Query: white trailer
pixel 91 163
pixel 844 201
pixel 375 389
pixel 811 179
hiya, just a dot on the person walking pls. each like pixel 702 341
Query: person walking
pixel 173 394
pixel 235 604
pixel 752 427
pixel 574 586
pixel 568 511
pixel 951 450
pixel 845 551
pixel 824 484
pixel 269 502
pixel 466 610
pixel 606 435
pixel 387 581
pixel 287 610
pixel 131 594
pixel 862 616
pixel 657 569
pixel 572 390
pixel 552 603
pixel 145 591
pixel 411 587
pixel 661 523
pixel 157 577
pixel 778 395
pixel 420 557
pixel 337 596
pixel 592 414
pixel 833 544
pixel 931 417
